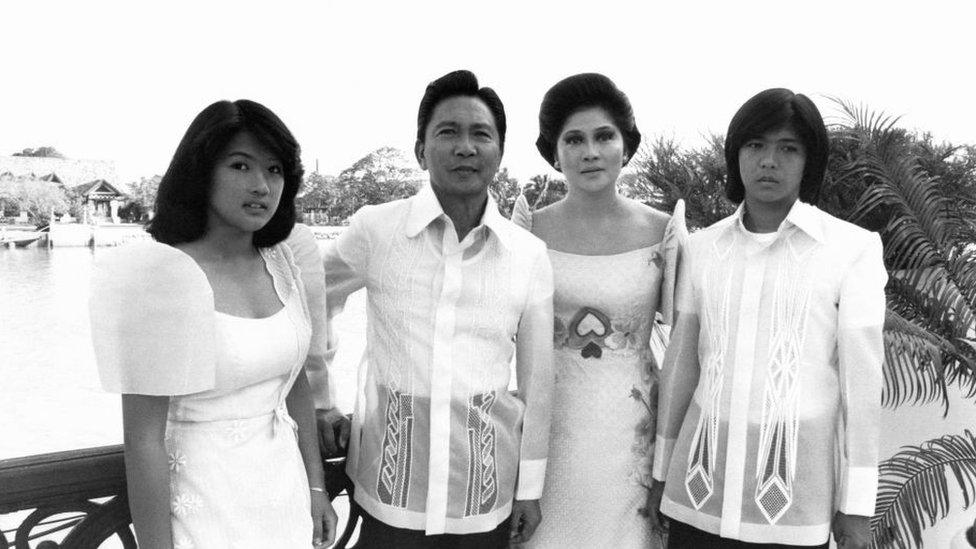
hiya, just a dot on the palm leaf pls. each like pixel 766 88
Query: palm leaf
pixel 932 284
pixel 914 488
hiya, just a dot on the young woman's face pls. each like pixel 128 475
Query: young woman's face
pixel 590 150
pixel 247 186
pixel 771 167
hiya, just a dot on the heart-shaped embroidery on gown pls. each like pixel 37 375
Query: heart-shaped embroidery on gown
pixel 591 350
pixel 591 324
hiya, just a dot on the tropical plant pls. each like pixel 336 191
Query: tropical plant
pixel 505 189
pixel 926 228
pixel 920 197
pixel 665 173
pixel 543 190
pixel 913 491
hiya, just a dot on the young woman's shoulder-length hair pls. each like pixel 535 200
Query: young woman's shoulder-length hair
pixel 183 197
pixel 771 110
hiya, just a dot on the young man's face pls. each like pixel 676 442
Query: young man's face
pixel 461 147
pixel 771 167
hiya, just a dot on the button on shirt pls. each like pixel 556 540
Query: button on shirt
pixel 438 440
pixel 770 402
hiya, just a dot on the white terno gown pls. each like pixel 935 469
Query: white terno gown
pixel 237 478
pixel 601 443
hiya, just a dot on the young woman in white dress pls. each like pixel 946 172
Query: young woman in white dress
pixel 205 331
pixel 614 262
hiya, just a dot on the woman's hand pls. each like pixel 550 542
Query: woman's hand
pixel 324 520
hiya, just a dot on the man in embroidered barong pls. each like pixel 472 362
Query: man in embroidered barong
pixel 441 453
pixel 768 418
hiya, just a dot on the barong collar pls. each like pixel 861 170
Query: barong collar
pixel 425 208
pixel 802 216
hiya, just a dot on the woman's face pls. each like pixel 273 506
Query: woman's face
pixel 590 150
pixel 246 188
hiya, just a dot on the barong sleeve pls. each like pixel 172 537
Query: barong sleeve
pixel 672 245
pixel 860 354
pixel 522 213
pixel 152 321
pixel 680 371
pixel 305 248
pixel 535 379
pixel 344 261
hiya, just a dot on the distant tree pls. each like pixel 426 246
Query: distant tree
pixel 665 173
pixel 543 190
pixel 37 198
pixel 46 152
pixel 505 189
pixel 381 176
pixel 318 195
pixel 143 199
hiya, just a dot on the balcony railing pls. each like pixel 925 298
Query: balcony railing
pixel 80 496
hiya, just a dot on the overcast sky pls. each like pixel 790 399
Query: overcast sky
pixel 123 80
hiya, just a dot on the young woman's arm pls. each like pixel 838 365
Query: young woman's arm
pixel 147 468
pixel 300 408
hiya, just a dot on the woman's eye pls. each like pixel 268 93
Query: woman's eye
pixel 573 140
pixel 242 166
pixel 276 169
pixel 606 136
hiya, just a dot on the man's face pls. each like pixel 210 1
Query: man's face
pixel 771 167
pixel 461 147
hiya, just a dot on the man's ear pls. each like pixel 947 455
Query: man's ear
pixel 418 151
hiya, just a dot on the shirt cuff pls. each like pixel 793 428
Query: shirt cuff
pixel 858 490
pixel 532 476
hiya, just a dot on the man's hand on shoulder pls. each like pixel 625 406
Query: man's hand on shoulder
pixel 526 516
pixel 333 428
pixel 851 531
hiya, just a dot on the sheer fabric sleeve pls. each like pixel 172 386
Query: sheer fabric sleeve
pixel 681 368
pixel 152 321
pixel 535 377
pixel 672 247
pixel 308 256
pixel 522 213
pixel 860 354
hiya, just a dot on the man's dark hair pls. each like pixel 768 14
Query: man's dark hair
pixel 459 83
pixel 771 110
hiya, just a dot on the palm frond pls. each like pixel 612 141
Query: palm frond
pixel 913 367
pixel 914 488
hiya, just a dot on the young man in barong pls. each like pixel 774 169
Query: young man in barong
pixel 768 422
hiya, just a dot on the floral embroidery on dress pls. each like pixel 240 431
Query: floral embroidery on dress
pixel 185 504
pixel 177 461
pixel 236 432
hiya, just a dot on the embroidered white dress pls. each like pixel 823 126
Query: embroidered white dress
pixel 600 445
pixel 236 474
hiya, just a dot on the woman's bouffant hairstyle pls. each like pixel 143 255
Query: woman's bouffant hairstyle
pixel 454 84
pixel 183 199
pixel 771 110
pixel 578 92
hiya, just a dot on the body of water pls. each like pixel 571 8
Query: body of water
pixel 51 400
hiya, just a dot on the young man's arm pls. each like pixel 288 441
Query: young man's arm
pixel 678 381
pixel 534 374
pixel 860 352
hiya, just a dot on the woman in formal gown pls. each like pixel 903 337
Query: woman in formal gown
pixel 614 262
pixel 204 330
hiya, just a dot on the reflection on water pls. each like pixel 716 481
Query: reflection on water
pixel 50 397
